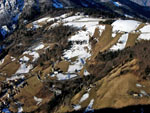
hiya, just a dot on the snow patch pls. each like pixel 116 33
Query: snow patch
pixel 5 28
pixel 77 107
pixel 15 77
pixel 24 59
pixel 12 58
pixel 20 109
pixel 84 97
pixel 143 92
pixel 72 18
pixel 117 4
pixel 38 100
pixel 125 25
pixel 86 73
pixel 73 68
pixel 145 29
pixel 113 35
pixel 34 54
pixel 42 19
pixel 121 43
pixel 145 33
pixel 24 68
pixel 128 16
pixel 61 76
pixel 89 107
pixel 39 23
pixel 41 46
pixel 2 61
pixel 138 85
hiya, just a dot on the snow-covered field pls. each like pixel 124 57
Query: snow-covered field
pixel 145 33
pixel 125 25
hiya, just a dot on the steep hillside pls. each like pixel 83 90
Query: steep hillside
pixel 14 11
pixel 74 62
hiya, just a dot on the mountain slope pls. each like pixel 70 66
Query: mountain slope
pixel 10 11
pixel 75 62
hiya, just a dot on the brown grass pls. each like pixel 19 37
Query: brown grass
pixel 96 33
pixel 29 26
pixel 63 65
pixel 114 41
pixel 132 39
pixel 140 26
pixel 9 70
pixel 26 96
pixel 6 67
pixel 7 60
pixel 104 40
pixel 113 92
